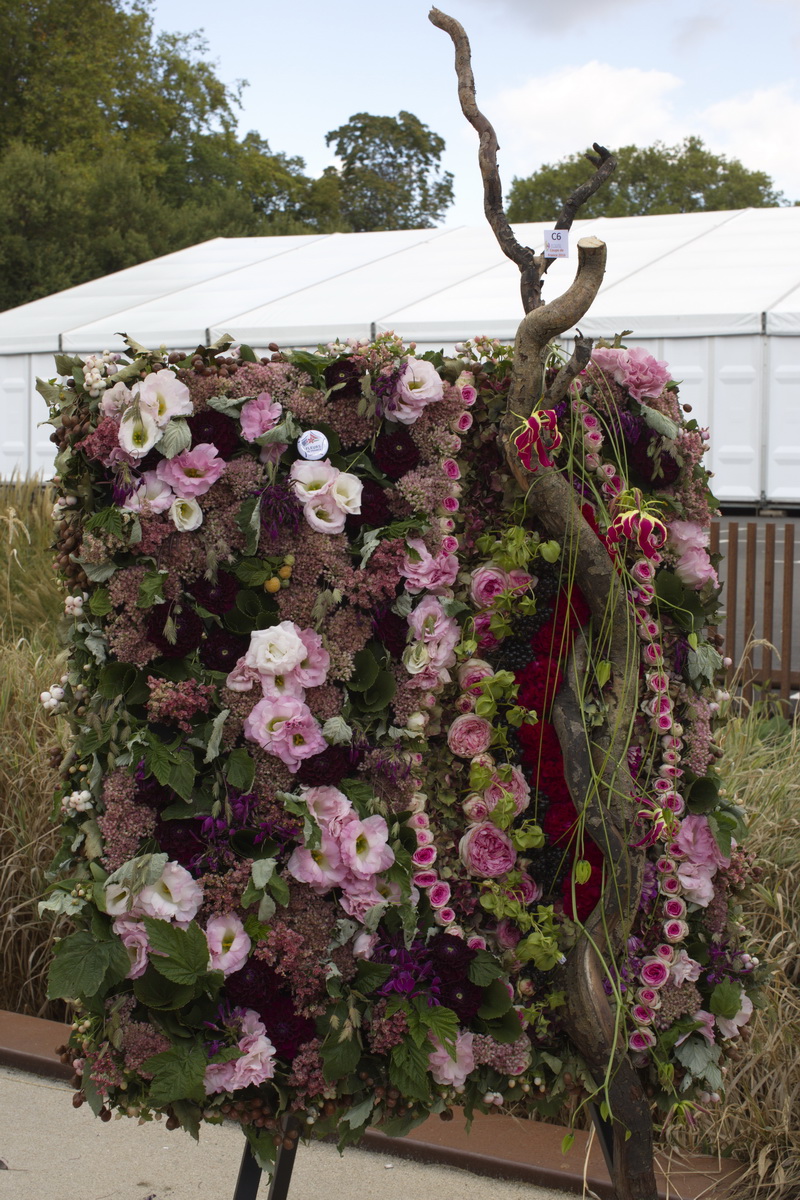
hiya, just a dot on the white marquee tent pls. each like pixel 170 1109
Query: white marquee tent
pixel 715 294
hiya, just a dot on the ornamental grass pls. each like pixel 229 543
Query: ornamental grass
pixel 759 1122
pixel 30 605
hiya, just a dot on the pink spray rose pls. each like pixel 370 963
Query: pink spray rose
pixel 447 1071
pixel 487 583
pixel 469 735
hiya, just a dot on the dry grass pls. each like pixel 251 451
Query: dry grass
pixel 29 598
pixel 760 1120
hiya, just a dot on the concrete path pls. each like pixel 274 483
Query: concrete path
pixel 54 1152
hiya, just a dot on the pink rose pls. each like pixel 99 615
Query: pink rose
pixel 487 851
pixel 469 735
pixel 687 535
pixel 359 896
pixel 472 672
pixel 697 842
pixel 259 416
pixel 676 930
pixel 425 879
pixel 487 584
pixel 654 972
pixel 193 472
pixel 642 1039
pixel 694 568
pixel 424 856
pixel 439 894
pixel 451 1072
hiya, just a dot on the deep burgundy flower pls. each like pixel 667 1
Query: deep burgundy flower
pixel 463 997
pixel 328 767
pixel 648 470
pixel 221 650
pixel 344 371
pixel 216 428
pixel 395 453
pixel 280 511
pixel 451 957
pixel 218 597
pixel 188 630
pixel 539 683
pixel 390 629
pixel 257 986
pixel 183 842
pixel 375 510
pixel 151 793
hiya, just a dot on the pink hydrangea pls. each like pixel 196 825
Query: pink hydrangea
pixel 193 472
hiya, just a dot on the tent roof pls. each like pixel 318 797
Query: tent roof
pixel 687 274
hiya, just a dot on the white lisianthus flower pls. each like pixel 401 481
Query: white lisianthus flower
pixel 418 386
pixel 312 479
pixel 346 491
pixel 186 515
pixel 115 400
pixel 118 899
pixel 138 431
pixel 164 396
pixel 277 650
pixel 416 658
pixel 324 514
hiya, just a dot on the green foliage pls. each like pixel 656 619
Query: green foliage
pixel 81 965
pixel 181 955
pixel 177 1074
pixel 389 173
pixel 649 179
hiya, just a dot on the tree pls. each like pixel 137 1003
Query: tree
pixel 388 177
pixel 652 179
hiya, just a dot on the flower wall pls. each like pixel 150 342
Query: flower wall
pixel 318 845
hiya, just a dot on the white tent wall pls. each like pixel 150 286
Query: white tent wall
pixel 726 319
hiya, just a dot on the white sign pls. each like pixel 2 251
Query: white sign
pixel 312 444
pixel 556 243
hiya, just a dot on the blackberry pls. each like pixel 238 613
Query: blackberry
pixel 514 654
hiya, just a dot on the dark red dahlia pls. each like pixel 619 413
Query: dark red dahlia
pixel 257 986
pixel 463 997
pixel 216 428
pixel 217 597
pixel 328 767
pixel 390 629
pixel 451 957
pixel 395 453
pixel 375 509
pixel 648 469
pixel 188 630
pixel 222 650
pixel 346 373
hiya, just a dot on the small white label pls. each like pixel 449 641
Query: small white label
pixel 556 243
pixel 312 444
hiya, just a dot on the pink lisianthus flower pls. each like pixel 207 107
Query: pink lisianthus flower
pixel 487 851
pixel 684 969
pixel 328 806
pixel 364 944
pixel 426 572
pixel 256 1065
pixel 695 879
pixel 730 1027
pixel 191 473
pixel 175 896
pixel 312 479
pixel 324 515
pixel 687 535
pixel 151 496
pixel 259 416
pixel 418 385
pixel 164 397
pixel 228 943
pixel 241 678
pixel 312 671
pixel 451 1072
pixel 359 896
pixel 133 936
pixel 115 400
pixel 469 735
pixel 286 729
pixel 364 846
pixel 138 431
pixel 322 868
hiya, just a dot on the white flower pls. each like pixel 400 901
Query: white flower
pixel 277 650
pixel 138 431
pixel 118 899
pixel 346 491
pixel 312 479
pixel 115 400
pixel 186 515
pixel 164 396
pixel 416 658
pixel 324 514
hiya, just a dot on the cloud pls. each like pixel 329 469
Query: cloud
pixel 540 13
pixel 566 110
pixel 695 30
pixel 760 128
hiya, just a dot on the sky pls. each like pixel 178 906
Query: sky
pixel 551 78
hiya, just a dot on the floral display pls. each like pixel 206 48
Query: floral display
pixel 319 849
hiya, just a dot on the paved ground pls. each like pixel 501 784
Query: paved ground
pixel 53 1152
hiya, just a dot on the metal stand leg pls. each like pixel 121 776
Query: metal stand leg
pixel 249 1176
pixel 284 1161
pixel 605 1134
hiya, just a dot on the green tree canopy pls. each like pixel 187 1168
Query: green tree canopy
pixel 389 177
pixel 118 145
pixel 651 179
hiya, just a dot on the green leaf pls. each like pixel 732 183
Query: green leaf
pixel 566 1142
pixel 703 795
pixel 365 671
pixel 726 999
pixel 340 1058
pixel 438 1022
pixel 80 965
pixel 408 1070
pixel 240 770
pixel 252 572
pixel 151 589
pixel 484 968
pixel 176 438
pixel 173 766
pixel 189 1116
pixel 154 990
pixel 180 955
pixel 505 1029
pixel 248 521
pixel 50 391
pixel 370 975
pixel 177 1074
pixel 246 354
pixel 695 1054
pixel 496 1001
pixel 139 872
pixel 215 735
pixel 99 603
pixel 359 1114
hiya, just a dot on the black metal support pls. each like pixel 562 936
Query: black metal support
pixel 249 1179
pixel 605 1134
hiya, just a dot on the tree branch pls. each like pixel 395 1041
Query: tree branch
pixel 579 361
